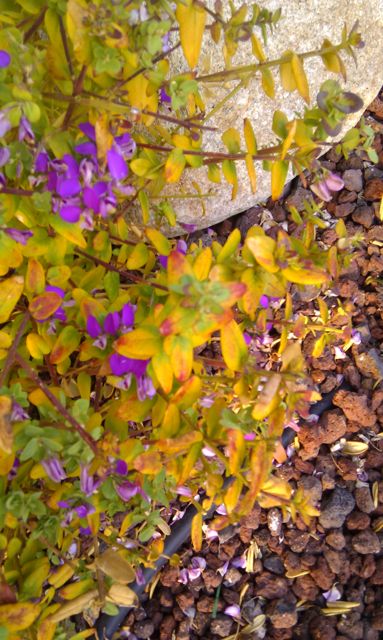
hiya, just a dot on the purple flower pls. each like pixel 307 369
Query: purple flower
pixel 121 467
pixel 233 610
pixel 127 314
pixel 125 145
pixel 63 504
pixel 184 491
pixel 18 236
pixel 145 388
pixel 85 531
pixel 93 327
pixel 25 130
pixel 87 483
pixel 58 290
pixel 323 188
pixel 54 469
pixel 5 59
pixel 68 187
pixel 164 96
pixel 198 565
pixel 239 562
pixel 121 365
pixel 112 323
pixel 189 228
pixel 264 301
pixel 18 413
pixel 163 260
pixel 41 162
pixel 247 338
pixel 88 129
pixel 4 155
pixel 116 164
pixel 70 213
pixel 127 490
pixel 140 578
pixel 86 148
pixel 84 510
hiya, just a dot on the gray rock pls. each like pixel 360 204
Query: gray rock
pixel 303 26
pixel 366 542
pixel 335 508
pixel 353 180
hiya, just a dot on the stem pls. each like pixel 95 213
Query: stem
pixel 232 74
pixel 76 91
pixel 65 45
pixel 57 404
pixel 214 156
pixel 126 274
pixel 16 192
pixel 35 25
pixel 13 348
pixel 154 61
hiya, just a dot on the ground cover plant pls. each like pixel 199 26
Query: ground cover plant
pixel 109 408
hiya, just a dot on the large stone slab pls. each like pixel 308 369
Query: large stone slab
pixel 303 26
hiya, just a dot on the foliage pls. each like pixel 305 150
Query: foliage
pixel 109 407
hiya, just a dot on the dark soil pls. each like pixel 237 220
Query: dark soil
pixel 295 565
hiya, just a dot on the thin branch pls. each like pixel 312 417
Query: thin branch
pixel 161 56
pixel 77 88
pixel 126 274
pixel 57 404
pixel 28 34
pixel 13 348
pixel 16 192
pixel 65 45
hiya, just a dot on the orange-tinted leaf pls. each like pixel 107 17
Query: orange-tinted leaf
pixel 140 343
pixel 236 450
pixel 196 532
pixel 66 343
pixel 43 307
pixel 35 276
pixel 18 616
pixel 188 393
pixel 174 166
pixel 263 248
pixel 6 432
pixel 135 410
pixel 180 351
pixel 148 463
pixel 232 495
pixel 268 398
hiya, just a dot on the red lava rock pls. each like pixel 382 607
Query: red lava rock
pixel 205 604
pixel 363 566
pixel 355 407
pixel 344 210
pixel 321 629
pixel 166 598
pixel 363 215
pixel 366 542
pixel 170 576
pixel 363 499
pixel 332 426
pixel 221 625
pixel 305 588
pixel 336 540
pixel 322 575
pixel 334 559
pixel 376 107
pixel 212 579
pixel 351 626
pixel 167 627
pixel 270 586
pixel 232 577
pixel 274 564
pixel 283 613
pixel 377 577
pixel 297 541
pixel 348 468
pixel 377 622
pixel 185 600
pixel 373 190
pixel 245 534
pixel 251 521
pixel 183 632
pixel 358 521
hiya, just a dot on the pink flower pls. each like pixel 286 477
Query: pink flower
pixel 323 188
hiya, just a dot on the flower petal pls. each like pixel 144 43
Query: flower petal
pixel 70 213
pixel 117 165
pixel 5 59
pixel 68 187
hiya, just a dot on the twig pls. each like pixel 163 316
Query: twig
pixel 16 192
pixel 77 88
pixel 65 45
pixel 57 404
pixel 28 34
pixel 13 348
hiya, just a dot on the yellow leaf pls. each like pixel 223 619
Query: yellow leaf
pixel 300 77
pixel 59 577
pixel 233 345
pixel 236 450
pixel 18 616
pixel 250 140
pixel 46 630
pixel 305 276
pixel 174 166
pixel 230 172
pixel 202 264
pixel 142 343
pixel 37 346
pixel 104 138
pixel 188 393
pixel 232 495
pixel 171 422
pixel 251 172
pixel 10 292
pixel 286 72
pixel 180 351
pixel 354 448
pixel 268 83
pixel 68 230
pixel 159 241
pixel 122 596
pixel 278 178
pixel 231 139
pixel 196 532
pixel 114 565
pixel 268 398
pixel 148 462
pixel 72 608
pixel 76 19
pixel 230 246
pixel 76 589
pixel 292 127
pixel 262 247
pixel 257 48
pixel 163 371
pixel 191 19
pixel 135 410
pixel 144 202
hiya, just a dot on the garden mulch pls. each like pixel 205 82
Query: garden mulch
pixel 341 552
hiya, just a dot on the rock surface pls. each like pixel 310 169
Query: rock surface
pixel 303 26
